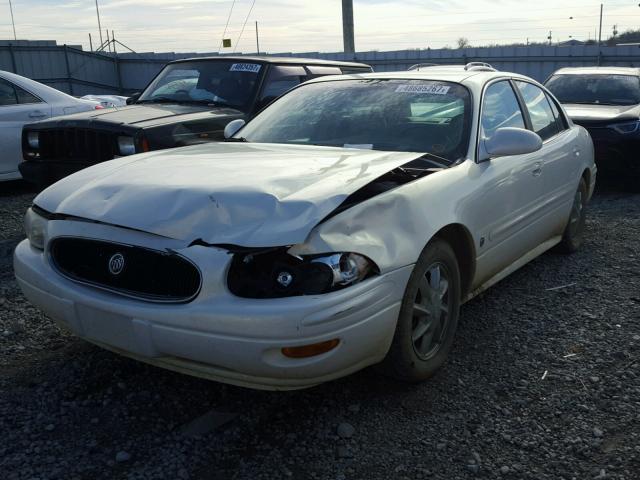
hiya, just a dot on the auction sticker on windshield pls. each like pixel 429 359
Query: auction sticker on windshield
pixel 435 89
pixel 245 67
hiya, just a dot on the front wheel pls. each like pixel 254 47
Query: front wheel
pixel 573 235
pixel 428 316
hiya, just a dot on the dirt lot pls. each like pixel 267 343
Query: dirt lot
pixel 543 383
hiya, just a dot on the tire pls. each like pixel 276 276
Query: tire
pixel 573 235
pixel 413 358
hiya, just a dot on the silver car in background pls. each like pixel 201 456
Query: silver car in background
pixel 23 101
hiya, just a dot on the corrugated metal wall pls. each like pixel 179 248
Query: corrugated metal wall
pixel 78 72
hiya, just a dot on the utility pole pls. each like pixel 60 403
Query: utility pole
pixel 257 40
pixel 600 32
pixel 13 23
pixel 90 43
pixel 549 37
pixel 347 26
pixel 99 26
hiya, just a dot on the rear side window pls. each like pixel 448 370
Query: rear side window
pixel 543 120
pixel 7 93
pixel 560 121
pixel 26 97
pixel 500 108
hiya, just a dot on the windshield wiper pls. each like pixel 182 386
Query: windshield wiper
pixel 158 100
pixel 236 139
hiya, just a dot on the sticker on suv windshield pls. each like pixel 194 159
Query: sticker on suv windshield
pixel 435 89
pixel 245 67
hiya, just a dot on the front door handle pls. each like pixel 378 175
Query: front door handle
pixel 537 169
pixel 37 114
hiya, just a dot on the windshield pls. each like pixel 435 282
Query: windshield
pixel 597 89
pixel 218 82
pixel 396 115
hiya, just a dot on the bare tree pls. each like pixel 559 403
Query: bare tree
pixel 463 42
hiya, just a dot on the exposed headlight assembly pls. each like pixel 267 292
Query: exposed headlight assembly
pixel 126 145
pixel 35 227
pixel 626 127
pixel 275 273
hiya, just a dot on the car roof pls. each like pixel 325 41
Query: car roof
pixel 431 73
pixel 598 71
pixel 279 60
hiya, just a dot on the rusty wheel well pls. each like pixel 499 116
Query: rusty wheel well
pixel 460 239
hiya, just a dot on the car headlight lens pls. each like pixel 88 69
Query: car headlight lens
pixel 627 127
pixel 126 145
pixel 35 227
pixel 274 273
pixel 33 139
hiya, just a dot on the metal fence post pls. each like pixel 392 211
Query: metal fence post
pixel 66 60
pixel 13 58
pixel 116 61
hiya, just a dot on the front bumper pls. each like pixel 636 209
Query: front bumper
pixel 222 337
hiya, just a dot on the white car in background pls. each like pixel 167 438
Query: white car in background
pixel 343 226
pixel 22 101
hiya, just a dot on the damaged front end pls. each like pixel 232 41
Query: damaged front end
pixel 275 273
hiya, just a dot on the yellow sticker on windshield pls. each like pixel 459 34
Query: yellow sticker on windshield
pixel 435 89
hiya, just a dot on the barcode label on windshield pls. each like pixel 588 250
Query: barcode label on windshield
pixel 245 67
pixel 435 89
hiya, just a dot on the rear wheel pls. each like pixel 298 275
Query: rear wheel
pixel 573 235
pixel 428 317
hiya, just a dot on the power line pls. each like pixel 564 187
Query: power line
pixel 225 27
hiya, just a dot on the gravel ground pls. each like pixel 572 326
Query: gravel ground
pixel 542 383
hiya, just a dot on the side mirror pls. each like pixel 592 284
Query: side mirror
pixel 510 141
pixel 133 98
pixel 232 127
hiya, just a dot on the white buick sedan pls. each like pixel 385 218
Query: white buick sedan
pixel 340 228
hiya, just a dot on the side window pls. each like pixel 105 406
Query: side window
pixel 500 108
pixel 26 97
pixel 560 121
pixel 281 79
pixel 7 93
pixel 543 120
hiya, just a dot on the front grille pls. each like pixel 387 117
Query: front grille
pixel 77 145
pixel 132 271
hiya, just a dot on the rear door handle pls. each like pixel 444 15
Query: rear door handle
pixel 537 169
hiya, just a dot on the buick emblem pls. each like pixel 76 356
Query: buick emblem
pixel 116 264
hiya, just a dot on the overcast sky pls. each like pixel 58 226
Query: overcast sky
pixel 308 25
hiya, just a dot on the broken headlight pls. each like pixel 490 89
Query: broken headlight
pixel 275 273
pixel 35 226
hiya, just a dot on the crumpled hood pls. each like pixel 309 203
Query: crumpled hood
pixel 579 112
pixel 225 193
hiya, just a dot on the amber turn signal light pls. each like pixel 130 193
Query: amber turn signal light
pixel 312 350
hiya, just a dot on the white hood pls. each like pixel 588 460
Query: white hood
pixel 224 193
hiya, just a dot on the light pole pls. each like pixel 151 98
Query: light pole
pixel 13 23
pixel 347 26
pixel 600 31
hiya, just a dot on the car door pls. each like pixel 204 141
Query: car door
pixel 505 207
pixel 559 148
pixel 17 107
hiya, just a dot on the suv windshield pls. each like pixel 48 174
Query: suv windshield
pixel 602 89
pixel 395 115
pixel 229 83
